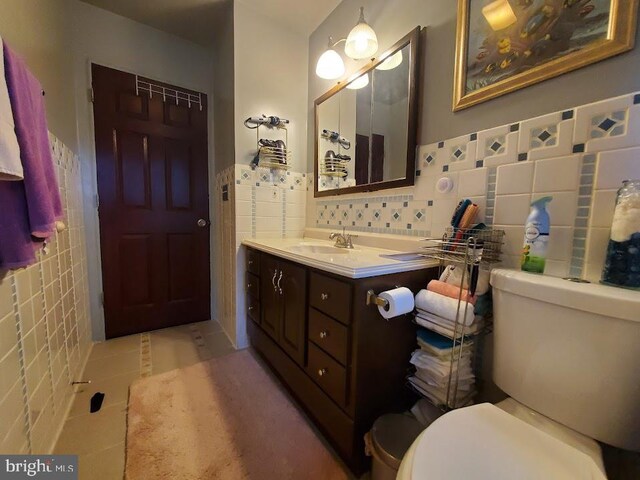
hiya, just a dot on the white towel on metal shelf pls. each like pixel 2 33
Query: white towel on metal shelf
pixel 10 163
pixel 445 327
pixel 445 307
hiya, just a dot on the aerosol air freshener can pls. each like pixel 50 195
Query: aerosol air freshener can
pixel 536 237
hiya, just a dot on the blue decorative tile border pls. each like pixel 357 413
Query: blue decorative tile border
pixel 395 214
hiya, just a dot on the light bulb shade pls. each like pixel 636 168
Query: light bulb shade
pixel 391 62
pixel 499 14
pixel 359 82
pixel 330 65
pixel 362 41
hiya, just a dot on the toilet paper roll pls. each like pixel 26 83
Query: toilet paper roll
pixel 400 302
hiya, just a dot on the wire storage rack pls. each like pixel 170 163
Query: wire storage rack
pixel 273 154
pixel 470 252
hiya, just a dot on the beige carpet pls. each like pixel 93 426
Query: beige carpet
pixel 221 419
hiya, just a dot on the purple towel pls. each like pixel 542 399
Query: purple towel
pixel 29 208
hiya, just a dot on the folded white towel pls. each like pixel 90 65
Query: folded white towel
pixel 445 327
pixel 444 307
pixel 10 163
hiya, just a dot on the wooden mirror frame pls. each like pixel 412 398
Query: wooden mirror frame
pixel 413 40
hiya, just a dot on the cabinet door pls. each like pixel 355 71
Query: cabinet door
pixel 294 310
pixel 270 296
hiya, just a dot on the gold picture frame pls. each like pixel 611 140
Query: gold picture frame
pixel 619 38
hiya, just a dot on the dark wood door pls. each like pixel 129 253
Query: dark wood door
pixel 153 188
pixel 362 159
pixel 270 297
pixel 293 317
pixel 377 158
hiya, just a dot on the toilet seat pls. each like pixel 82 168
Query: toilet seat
pixel 485 442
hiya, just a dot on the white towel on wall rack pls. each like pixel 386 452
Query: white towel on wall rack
pixel 10 162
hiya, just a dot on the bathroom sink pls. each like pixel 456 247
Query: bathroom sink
pixel 319 249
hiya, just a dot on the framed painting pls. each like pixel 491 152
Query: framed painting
pixel 505 45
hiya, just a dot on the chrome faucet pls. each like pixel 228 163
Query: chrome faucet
pixel 343 240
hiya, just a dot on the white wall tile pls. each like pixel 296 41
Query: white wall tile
pixel 617 165
pixel 560 243
pixel 472 183
pixel 604 203
pixel 557 174
pixel 562 209
pixel 515 178
pixel 598 240
pixel 547 136
pixel 512 209
pixel 497 146
pixel 609 124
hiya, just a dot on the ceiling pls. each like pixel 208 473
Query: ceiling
pixel 194 19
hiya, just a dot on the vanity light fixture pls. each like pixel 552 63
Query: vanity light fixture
pixel 330 65
pixel 391 62
pixel 360 82
pixel 361 43
pixel 499 14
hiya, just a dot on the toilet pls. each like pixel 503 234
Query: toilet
pixel 566 353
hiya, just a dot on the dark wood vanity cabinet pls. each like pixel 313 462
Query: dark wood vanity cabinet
pixel 283 294
pixel 338 357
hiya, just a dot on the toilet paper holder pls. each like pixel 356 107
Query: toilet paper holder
pixel 373 299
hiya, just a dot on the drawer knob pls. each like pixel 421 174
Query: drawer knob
pixel 324 334
pixel 250 308
pixel 322 372
pixel 324 296
pixel 249 285
pixel 250 262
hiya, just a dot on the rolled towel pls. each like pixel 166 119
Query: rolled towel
pixel 450 291
pixel 452 275
pixel 444 307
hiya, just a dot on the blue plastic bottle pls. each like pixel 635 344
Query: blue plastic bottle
pixel 536 237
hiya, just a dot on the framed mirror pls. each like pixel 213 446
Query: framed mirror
pixel 365 128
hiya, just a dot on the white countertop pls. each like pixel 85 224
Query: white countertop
pixel 359 262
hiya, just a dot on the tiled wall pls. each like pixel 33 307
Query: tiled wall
pixel 260 203
pixel 579 156
pixel 45 332
pixel 269 202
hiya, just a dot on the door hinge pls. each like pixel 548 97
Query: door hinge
pixel 91 95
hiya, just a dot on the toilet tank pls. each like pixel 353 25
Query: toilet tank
pixel 570 351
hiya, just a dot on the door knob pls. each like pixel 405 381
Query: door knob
pixel 202 223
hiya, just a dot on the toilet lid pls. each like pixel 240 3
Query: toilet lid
pixel 484 442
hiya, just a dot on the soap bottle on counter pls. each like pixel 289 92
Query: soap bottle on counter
pixel 622 263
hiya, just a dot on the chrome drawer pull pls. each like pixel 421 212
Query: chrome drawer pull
pixel 273 280
pixel 324 334
pixel 279 280
pixel 322 372
pixel 324 296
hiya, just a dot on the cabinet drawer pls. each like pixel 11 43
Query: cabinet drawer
pixel 253 286
pixel 329 335
pixel 253 261
pixel 327 373
pixel 253 309
pixel 331 296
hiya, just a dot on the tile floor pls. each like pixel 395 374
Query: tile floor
pixel 98 438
